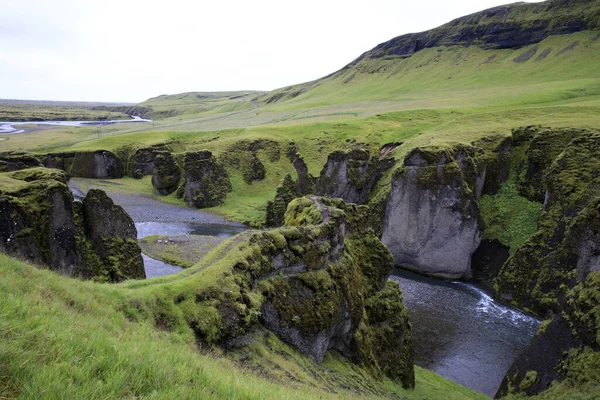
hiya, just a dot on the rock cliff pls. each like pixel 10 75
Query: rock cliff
pixel 40 222
pixel 319 283
pixel 206 181
pixel 431 223
pixel 555 274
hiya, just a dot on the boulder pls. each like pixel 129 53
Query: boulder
pixel 206 180
pixel 431 222
pixel 165 174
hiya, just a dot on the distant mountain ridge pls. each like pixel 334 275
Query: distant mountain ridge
pixel 509 26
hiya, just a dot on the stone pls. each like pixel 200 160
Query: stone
pixel 165 173
pixel 113 236
pixel 206 180
pixel 431 223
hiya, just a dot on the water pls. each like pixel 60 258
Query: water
pixel 461 333
pixel 9 127
pixel 186 228
pixel 155 268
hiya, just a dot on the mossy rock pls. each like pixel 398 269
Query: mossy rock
pixel 113 236
pixel 166 174
pixel 206 180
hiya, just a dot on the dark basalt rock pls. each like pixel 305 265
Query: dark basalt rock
pixel 165 174
pixel 328 289
pixel 551 261
pixel 206 180
pixel 286 192
pixel 87 164
pixel 16 160
pixel 487 261
pixel 40 222
pixel 113 236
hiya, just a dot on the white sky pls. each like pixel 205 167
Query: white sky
pixel 130 50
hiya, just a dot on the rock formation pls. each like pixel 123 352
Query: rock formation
pixel 319 283
pixel 113 236
pixel 206 181
pixel 431 223
pixel 165 174
pixel 87 164
pixel 350 175
pixel 16 160
pixel 40 222
pixel 556 274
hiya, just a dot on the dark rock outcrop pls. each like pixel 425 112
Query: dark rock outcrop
pixel 113 236
pixel 165 173
pixel 243 155
pixel 487 261
pixel 431 223
pixel 41 223
pixel 16 160
pixel 545 145
pixel 351 175
pixel 286 192
pixel 206 180
pixel 87 164
pixel 533 278
pixel 141 163
pixel 556 274
pixel 319 283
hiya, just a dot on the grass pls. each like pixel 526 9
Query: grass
pixel 63 338
pixel 184 251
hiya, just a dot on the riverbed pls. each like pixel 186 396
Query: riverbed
pixel 153 217
pixel 461 333
pixel 13 127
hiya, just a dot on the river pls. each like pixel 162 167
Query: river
pixel 458 330
pixel 462 333
pixel 12 127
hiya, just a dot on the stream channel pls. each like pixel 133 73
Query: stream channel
pixel 13 127
pixel 459 331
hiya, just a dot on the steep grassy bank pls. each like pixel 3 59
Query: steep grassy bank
pixel 67 338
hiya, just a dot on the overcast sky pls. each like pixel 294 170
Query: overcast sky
pixel 130 50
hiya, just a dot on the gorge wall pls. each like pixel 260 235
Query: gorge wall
pixel 41 223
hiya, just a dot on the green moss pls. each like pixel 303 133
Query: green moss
pixel 303 212
pixel 529 380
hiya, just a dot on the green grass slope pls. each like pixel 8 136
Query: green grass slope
pixel 63 338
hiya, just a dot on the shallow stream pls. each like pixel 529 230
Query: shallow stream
pixel 462 333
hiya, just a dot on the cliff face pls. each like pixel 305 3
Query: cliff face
pixel 206 182
pixel 319 283
pixel 555 274
pixel 431 223
pixel 510 26
pixel 40 222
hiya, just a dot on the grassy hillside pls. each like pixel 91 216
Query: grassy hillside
pixel 63 338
